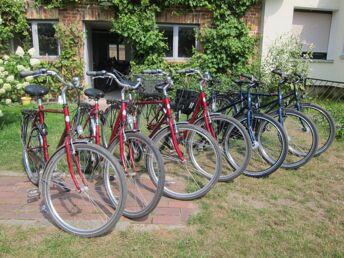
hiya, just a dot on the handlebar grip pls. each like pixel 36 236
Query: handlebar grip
pixel 158 71
pixel 96 73
pixel 24 74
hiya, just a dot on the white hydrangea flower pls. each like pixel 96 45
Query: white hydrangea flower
pixel 1 81
pixel 5 73
pixel 31 52
pixel 1 61
pixel 10 78
pixel 19 86
pixel 6 57
pixel 2 91
pixel 1 114
pixel 7 86
pixel 21 68
pixel 20 51
pixel 29 78
pixel 25 84
pixel 2 69
pixel 34 61
pixel 8 101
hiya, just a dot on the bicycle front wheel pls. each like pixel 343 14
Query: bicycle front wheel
pixel 89 210
pixel 144 173
pixel 199 170
pixel 324 123
pixel 270 145
pixel 234 143
pixel 302 138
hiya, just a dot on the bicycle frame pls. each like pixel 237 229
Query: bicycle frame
pixel 165 105
pixel 65 137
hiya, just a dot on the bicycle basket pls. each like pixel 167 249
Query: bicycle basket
pixel 148 90
pixel 186 101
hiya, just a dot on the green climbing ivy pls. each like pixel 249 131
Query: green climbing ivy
pixel 12 22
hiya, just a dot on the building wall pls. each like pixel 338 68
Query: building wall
pixel 277 20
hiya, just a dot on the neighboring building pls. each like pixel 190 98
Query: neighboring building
pixel 318 22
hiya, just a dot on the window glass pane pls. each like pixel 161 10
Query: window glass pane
pixel 120 55
pixel 168 34
pixel 186 41
pixel 113 51
pixel 313 29
pixel 48 44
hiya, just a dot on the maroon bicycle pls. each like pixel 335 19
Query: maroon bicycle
pixel 80 181
pixel 191 156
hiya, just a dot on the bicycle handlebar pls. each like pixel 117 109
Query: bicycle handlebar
pixel 44 72
pixel 105 74
pixel 154 72
pixel 38 72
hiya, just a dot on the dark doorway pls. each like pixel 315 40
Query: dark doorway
pixel 108 52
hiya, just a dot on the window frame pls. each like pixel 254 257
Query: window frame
pixel 35 38
pixel 175 42
pixel 318 55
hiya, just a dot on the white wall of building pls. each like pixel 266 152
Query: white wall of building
pixel 278 20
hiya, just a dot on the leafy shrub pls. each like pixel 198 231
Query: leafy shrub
pixel 286 54
pixel 11 85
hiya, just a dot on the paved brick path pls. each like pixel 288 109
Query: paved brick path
pixel 15 208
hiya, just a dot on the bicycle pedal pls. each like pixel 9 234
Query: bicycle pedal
pixel 33 195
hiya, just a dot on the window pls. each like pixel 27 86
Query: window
pixel 313 27
pixel 117 51
pixel 43 38
pixel 180 39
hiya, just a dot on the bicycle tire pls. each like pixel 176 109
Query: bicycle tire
pixel 322 117
pixel 32 149
pixel 263 123
pixel 295 149
pixel 200 177
pixel 146 186
pixel 54 185
pixel 228 128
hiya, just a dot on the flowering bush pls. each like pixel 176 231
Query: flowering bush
pixel 11 85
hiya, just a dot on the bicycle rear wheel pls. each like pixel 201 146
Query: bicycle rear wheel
pixel 32 144
pixel 88 211
pixel 201 168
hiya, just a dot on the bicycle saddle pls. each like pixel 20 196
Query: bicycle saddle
pixel 34 90
pixel 94 93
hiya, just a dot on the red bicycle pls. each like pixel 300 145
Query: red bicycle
pixel 80 180
pixel 231 135
pixel 140 159
pixel 191 156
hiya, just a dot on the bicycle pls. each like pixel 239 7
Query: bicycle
pixel 268 138
pixel 140 159
pixel 79 178
pixel 191 156
pixel 301 132
pixel 230 134
pixel 321 118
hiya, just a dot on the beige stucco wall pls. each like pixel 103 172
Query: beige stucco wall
pixel 277 20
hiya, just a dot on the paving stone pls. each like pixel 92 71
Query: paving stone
pixel 15 208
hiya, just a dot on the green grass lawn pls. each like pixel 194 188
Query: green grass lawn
pixel 10 143
pixel 289 214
